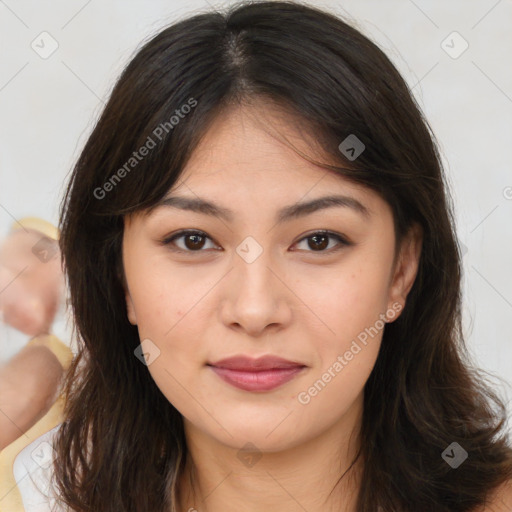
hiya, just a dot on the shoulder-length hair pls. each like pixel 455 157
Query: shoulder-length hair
pixel 121 446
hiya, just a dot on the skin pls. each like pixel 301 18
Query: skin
pixel 30 291
pixel 294 301
pixel 30 383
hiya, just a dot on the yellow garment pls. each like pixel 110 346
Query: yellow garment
pixel 37 224
pixel 10 495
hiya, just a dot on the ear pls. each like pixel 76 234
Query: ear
pixel 405 269
pixel 130 309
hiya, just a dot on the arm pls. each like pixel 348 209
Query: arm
pixel 29 385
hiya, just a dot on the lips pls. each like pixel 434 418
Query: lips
pixel 245 363
pixel 261 374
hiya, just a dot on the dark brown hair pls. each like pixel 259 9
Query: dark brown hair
pixel 121 446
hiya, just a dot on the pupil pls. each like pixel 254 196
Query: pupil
pixel 322 245
pixel 194 244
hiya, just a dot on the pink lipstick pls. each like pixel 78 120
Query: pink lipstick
pixel 261 374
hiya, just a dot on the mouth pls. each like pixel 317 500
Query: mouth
pixel 261 374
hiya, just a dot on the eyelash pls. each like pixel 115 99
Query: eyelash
pixel 342 240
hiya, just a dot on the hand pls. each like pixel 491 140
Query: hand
pixel 31 280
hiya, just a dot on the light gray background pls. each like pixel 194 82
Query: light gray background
pixel 48 108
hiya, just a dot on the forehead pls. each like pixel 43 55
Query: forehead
pixel 253 136
pixel 257 148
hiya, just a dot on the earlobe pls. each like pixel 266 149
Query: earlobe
pixel 130 309
pixel 129 303
pixel 406 268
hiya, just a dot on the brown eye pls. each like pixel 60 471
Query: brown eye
pixel 196 241
pixel 192 241
pixel 319 241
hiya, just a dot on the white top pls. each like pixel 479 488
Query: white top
pixel 33 470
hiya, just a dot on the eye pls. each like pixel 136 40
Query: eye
pixel 195 241
pixel 319 241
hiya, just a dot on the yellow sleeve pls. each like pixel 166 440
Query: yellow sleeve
pixel 11 499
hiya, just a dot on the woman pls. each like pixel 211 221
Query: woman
pixel 263 270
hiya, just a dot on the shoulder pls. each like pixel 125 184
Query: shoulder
pixel 500 499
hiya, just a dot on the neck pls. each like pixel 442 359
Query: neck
pixel 321 474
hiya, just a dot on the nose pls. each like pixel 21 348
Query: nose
pixel 256 298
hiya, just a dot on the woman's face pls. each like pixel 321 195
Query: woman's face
pixel 261 279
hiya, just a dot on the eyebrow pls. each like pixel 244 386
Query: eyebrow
pixel 294 211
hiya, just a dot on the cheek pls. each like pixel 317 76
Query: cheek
pixel 160 298
pixel 344 302
pixel 347 341
pixel 171 307
pixel 165 314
